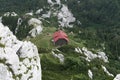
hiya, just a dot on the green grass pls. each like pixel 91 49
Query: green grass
pixel 44 40
pixel 52 69
pixel 75 66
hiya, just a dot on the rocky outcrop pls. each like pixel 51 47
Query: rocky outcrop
pixel 7 14
pixel 65 17
pixel 117 77
pixel 37 26
pixel 90 56
pixel 18 60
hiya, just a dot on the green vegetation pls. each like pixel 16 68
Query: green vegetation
pixel 75 66
pixel 1 45
pixel 99 31
pixel 11 22
pixel 44 40
pixel 89 12
pixel 21 6
pixel 23 29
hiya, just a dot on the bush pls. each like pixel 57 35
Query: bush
pixel 23 29
pixel 49 62
pixel 43 50
pixel 76 64
pixel 67 49
pixel 11 22
pixel 1 45
pixel 80 77
pixel 94 63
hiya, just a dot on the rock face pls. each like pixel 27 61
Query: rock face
pixel 65 17
pixel 10 14
pixel 59 56
pixel 106 71
pixel 90 56
pixel 18 60
pixel 117 77
pixel 61 12
pixel 90 74
pixel 37 24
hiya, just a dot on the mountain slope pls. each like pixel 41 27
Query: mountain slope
pixel 92 27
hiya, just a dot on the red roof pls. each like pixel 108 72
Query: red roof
pixel 59 35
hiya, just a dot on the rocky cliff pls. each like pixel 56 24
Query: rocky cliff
pixel 19 60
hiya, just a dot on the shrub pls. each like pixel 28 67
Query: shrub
pixel 76 64
pixel 67 49
pixel 1 45
pixel 80 77
pixel 94 63
pixel 43 50
pixel 11 22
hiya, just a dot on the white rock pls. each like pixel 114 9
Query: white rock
pixel 50 2
pixel 18 24
pixel 38 11
pixel 12 54
pixel 66 16
pixel 78 50
pixel 47 15
pixel 35 31
pixel 37 27
pixel 17 46
pixel 4 73
pixel 25 77
pixel 106 71
pixel 14 14
pixel 7 14
pixel 78 2
pixel 12 59
pixel 28 50
pixel 23 69
pixel 117 77
pixel 58 2
pixel 89 55
pixel 90 74
pixel 26 62
pixel 29 14
pixel 59 56
pixel 103 56
pixel 34 22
